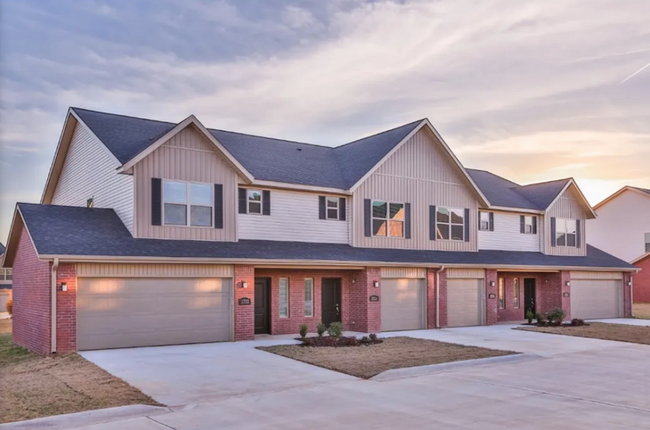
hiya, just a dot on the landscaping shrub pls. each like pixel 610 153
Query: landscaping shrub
pixel 365 340
pixel 539 318
pixel 556 315
pixel 373 337
pixel 339 342
pixel 335 329
pixel 577 322
pixel 303 330
pixel 10 306
pixel 320 328
pixel 529 316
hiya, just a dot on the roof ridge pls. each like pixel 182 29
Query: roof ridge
pixel 548 182
pixel 271 138
pixel 123 116
pixel 380 133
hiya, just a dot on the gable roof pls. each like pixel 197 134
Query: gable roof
pixel 641 191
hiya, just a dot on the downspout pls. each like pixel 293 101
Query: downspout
pixel 438 296
pixel 55 266
pixel 631 296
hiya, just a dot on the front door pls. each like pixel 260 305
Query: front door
pixel 262 306
pixel 331 300
pixel 529 295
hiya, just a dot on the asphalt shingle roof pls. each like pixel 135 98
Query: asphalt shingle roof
pixel 68 230
pixel 2 249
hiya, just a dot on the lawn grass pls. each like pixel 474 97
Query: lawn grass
pixel 393 353
pixel 641 310
pixel 605 331
pixel 32 386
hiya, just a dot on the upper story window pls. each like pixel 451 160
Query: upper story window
pixel 5 275
pixel 528 224
pixel 484 221
pixel 254 201
pixel 187 203
pixel 647 242
pixel 332 207
pixel 387 219
pixel 450 223
pixel 565 232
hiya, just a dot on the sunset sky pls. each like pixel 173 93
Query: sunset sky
pixel 529 91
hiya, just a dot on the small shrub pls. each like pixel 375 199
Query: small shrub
pixel 556 315
pixel 365 340
pixel 353 341
pixel 529 316
pixel 321 328
pixel 373 337
pixel 335 329
pixel 303 330
pixel 577 322
pixel 10 306
pixel 539 318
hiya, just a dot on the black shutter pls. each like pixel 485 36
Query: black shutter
pixel 491 221
pixel 522 224
pixel 367 217
pixel 432 223
pixel 156 201
pixel 266 202
pixel 407 220
pixel 321 207
pixel 578 236
pixel 342 208
pixel 534 225
pixel 242 201
pixel 218 206
pixel 466 225
pixel 552 231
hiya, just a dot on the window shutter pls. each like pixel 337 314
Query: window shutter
pixel 432 223
pixel 218 206
pixel 522 224
pixel 156 201
pixel 578 235
pixel 552 231
pixel 491 221
pixel 466 225
pixel 407 220
pixel 342 208
pixel 321 207
pixel 534 225
pixel 367 208
pixel 242 201
pixel 266 202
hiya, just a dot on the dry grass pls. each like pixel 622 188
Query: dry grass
pixel 393 353
pixel 641 310
pixel 606 331
pixel 32 386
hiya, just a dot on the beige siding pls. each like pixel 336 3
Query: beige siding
pixel 596 275
pixel 154 270
pixel 89 171
pixel 186 157
pixel 567 206
pixel 507 235
pixel 465 273
pixel 422 174
pixel 403 272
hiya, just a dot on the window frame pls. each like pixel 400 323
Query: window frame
pixel 249 191
pixel 188 204
pixel 6 274
pixel 387 219
pixel 565 232
pixel 450 224
pixel 328 208
pixel 516 302
pixel 501 293
pixel 527 225
pixel 309 282
pixel 647 242
pixel 280 304
pixel 480 221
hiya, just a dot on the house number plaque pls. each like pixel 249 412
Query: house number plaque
pixel 244 301
pixel 374 298
pixel 492 296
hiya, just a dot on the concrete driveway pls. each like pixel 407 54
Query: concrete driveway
pixel 573 383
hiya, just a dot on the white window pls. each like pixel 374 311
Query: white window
pixel 515 293
pixel 484 221
pixel 332 207
pixel 502 293
pixel 647 242
pixel 254 201
pixel 565 232
pixel 528 225
pixel 309 297
pixel 387 219
pixel 187 203
pixel 5 275
pixel 284 297
pixel 450 223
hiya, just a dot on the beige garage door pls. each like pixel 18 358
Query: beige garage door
pixel 123 312
pixel 596 298
pixel 402 304
pixel 465 302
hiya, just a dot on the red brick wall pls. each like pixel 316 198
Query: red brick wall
pixel 245 314
pixel 642 281
pixel 492 305
pixel 509 312
pixel 565 293
pixel 627 299
pixel 31 295
pixel 431 298
pixel 549 292
pixel 66 309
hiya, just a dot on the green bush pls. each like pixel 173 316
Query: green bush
pixel 335 329
pixel 556 315
pixel 303 330
pixel 539 318
pixel 321 328
pixel 530 316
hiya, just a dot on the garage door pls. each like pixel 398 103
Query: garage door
pixel 402 304
pixel 596 298
pixel 464 302
pixel 122 312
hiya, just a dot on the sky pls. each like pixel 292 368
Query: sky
pixel 532 91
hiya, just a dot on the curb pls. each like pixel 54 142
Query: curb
pixel 432 369
pixel 79 419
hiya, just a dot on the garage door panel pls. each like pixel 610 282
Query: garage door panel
pixel 596 298
pixel 135 339
pixel 158 304
pixel 131 287
pixel 402 304
pixel 464 302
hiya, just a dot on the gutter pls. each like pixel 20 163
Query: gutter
pixel 55 266
pixel 438 295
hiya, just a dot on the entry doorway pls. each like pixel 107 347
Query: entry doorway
pixel 262 306
pixel 330 300
pixel 529 296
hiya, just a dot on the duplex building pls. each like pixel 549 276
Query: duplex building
pixel 152 233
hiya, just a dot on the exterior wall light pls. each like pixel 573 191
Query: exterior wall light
pixel 243 284
pixel 64 286
pixel 376 284
pixel 629 283
pixel 568 283
pixel 491 283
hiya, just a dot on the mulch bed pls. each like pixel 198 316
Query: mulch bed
pixel 595 330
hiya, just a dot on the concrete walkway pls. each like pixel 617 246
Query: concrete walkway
pixel 628 321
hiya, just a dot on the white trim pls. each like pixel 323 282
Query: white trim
pixel 387 219
pixel 312 298
pixel 56 154
pixel 188 203
pixel 450 224
pixel 337 208
pixel 515 210
pixel 647 254
pixel 288 298
pixel 311 188
pixel 582 196
pixel 617 193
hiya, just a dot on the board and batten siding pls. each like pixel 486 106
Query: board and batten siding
pixel 596 275
pixel 567 206
pixel 119 270
pixel 294 218
pixel 420 173
pixel 507 235
pixel 187 156
pixel 89 171
pixel 403 272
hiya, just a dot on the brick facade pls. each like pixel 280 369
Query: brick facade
pixel 245 314
pixel 66 309
pixel 642 281
pixel 491 297
pixel 627 295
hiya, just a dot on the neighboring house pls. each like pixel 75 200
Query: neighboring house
pixel 153 233
pixel 5 284
pixel 623 230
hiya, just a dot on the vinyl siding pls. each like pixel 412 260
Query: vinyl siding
pixel 567 206
pixel 507 234
pixel 422 174
pixel 403 272
pixel 186 157
pixel 101 270
pixel 596 275
pixel 465 273
pixel 294 218
pixel 621 225
pixel 89 171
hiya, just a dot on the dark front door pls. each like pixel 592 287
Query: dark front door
pixel 331 300
pixel 529 295
pixel 262 306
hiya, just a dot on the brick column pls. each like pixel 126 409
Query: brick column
pixel 627 296
pixel 244 314
pixel 565 276
pixel 66 308
pixel 442 297
pixel 431 298
pixel 365 314
pixel 491 304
